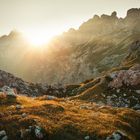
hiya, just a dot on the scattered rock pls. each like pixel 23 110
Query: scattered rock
pixel 86 137
pixel 112 75
pixel 5 138
pixel 51 97
pixel 18 107
pixel 124 94
pixel 118 135
pixel 25 133
pixel 47 97
pixel 9 91
pixel 38 132
pixel 137 107
pixel 24 115
pixel 85 107
pixel 138 91
pixel 118 90
pixel 3 135
pixel 32 131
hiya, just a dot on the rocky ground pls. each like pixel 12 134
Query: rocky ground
pixel 31 89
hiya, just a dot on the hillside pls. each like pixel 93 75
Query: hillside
pixel 98 45
pixel 26 118
pixel 102 108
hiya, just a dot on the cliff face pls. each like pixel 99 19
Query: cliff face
pixel 98 45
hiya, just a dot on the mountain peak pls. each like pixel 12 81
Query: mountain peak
pixel 14 33
pixel 133 13
pixel 114 14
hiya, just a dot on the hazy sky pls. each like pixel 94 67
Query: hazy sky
pixel 49 17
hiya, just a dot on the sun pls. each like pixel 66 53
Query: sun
pixel 38 39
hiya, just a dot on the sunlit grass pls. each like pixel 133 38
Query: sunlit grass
pixel 60 116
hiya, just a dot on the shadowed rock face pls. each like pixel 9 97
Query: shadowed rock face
pixel 135 46
pixel 134 53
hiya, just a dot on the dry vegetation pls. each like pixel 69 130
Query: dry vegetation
pixel 67 119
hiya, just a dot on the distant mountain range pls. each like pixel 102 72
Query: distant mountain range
pixel 99 44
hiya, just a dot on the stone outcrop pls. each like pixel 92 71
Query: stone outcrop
pixel 133 13
pixel 12 85
pixel 128 78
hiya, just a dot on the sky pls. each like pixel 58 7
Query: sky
pixel 46 18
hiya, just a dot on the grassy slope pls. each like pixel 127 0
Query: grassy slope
pixel 69 120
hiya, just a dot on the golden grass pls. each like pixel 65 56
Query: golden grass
pixel 63 119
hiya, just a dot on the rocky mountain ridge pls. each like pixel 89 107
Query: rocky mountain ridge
pixel 97 46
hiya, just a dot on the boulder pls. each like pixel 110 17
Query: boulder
pixel 129 77
pixel 24 115
pixel 18 107
pixel 87 138
pixel 38 132
pixel 137 91
pixel 5 138
pixel 8 91
pixel 118 135
pixel 3 135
